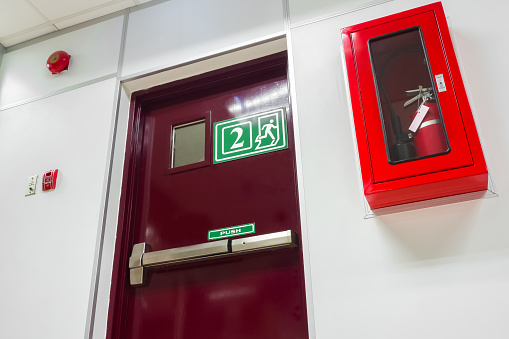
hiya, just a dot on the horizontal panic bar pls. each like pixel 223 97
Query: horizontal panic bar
pixel 140 259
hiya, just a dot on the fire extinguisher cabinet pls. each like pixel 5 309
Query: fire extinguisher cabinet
pixel 416 135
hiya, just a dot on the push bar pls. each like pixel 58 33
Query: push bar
pixel 140 259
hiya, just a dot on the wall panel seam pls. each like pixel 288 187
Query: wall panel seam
pixel 60 91
pixel 96 271
pixel 306 255
pixel 341 13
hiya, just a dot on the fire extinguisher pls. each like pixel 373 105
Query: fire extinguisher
pixel 429 136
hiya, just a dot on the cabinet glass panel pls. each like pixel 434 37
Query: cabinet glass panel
pixel 409 109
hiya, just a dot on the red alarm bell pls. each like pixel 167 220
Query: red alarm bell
pixel 58 62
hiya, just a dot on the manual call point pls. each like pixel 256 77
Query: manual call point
pixel 49 180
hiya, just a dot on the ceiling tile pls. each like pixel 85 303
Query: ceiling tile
pixel 55 9
pixel 17 15
pixel 25 36
pixel 92 14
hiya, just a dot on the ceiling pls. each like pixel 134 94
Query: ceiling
pixel 22 20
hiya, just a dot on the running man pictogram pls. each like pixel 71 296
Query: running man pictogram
pixel 267 129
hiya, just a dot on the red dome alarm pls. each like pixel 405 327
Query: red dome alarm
pixel 58 62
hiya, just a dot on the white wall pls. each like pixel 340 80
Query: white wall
pixel 179 31
pixel 94 53
pixel 303 12
pixel 431 273
pixel 49 240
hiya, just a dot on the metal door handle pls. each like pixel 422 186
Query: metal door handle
pixel 140 259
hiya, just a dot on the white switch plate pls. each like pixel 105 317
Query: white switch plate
pixel 32 182
pixel 440 82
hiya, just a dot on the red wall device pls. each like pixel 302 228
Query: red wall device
pixel 58 62
pixel 49 180
pixel 415 131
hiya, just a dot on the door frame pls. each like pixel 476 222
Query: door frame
pixel 140 100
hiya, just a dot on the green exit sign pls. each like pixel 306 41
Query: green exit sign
pixel 231 231
pixel 250 135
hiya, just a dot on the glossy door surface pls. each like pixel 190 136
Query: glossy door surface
pixel 259 295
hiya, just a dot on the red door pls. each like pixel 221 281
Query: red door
pixel 173 194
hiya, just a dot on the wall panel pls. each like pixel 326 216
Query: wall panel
pixel 94 53
pixel 48 239
pixel 178 31
pixel 431 273
pixel 304 11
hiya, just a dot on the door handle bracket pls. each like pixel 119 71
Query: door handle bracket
pixel 136 272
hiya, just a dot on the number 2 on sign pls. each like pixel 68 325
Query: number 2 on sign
pixel 239 132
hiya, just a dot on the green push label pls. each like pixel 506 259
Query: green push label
pixel 231 231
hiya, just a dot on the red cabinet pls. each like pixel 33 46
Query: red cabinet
pixel 415 131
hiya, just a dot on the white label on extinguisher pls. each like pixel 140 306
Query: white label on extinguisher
pixel 440 82
pixel 421 113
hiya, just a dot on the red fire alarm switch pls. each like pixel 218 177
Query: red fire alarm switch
pixel 416 135
pixel 49 180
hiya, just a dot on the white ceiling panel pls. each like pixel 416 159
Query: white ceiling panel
pixel 93 13
pixel 22 20
pixel 56 9
pixel 16 16
pixel 31 34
